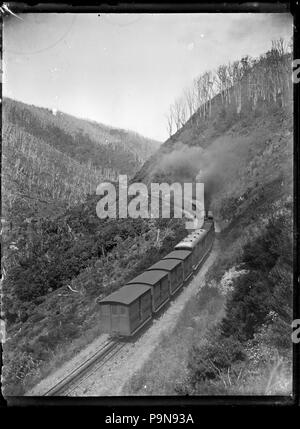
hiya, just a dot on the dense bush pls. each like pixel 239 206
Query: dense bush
pixel 47 254
pixel 258 292
pixel 39 327
pixel 217 355
pixel 251 345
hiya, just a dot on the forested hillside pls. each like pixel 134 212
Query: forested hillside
pixel 225 100
pixel 240 144
pixel 58 256
pixel 113 149
pixel 51 166
pixel 55 271
pixel 52 161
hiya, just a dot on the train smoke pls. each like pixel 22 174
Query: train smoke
pixel 214 166
pixel 182 164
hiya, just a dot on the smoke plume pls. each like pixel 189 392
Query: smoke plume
pixel 215 166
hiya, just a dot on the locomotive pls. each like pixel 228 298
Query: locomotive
pixel 124 312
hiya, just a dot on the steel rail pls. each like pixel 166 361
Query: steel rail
pixel 81 369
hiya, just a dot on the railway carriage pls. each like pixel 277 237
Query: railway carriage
pixel 158 281
pixel 174 268
pixel 210 233
pixel 198 242
pixel 192 243
pixel 186 257
pixel 125 311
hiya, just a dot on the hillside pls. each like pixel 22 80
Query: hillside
pixel 86 141
pixel 51 162
pixel 58 256
pixel 241 148
pixel 248 177
pixel 51 165
pixel 244 155
pixel 252 152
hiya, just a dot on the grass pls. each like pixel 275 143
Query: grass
pixel 64 353
pixel 165 368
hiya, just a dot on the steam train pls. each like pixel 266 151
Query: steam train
pixel 124 312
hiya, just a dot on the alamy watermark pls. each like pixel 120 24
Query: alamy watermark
pixel 296 71
pixel 154 204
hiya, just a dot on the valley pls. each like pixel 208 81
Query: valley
pixel 60 258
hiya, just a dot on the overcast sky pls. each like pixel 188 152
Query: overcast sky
pixel 125 70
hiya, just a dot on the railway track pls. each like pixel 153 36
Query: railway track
pixel 76 377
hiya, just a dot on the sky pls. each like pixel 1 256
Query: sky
pixel 125 70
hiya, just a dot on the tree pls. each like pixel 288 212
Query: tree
pixel 190 100
pixel 179 111
pixel 266 78
pixel 223 83
pixel 170 121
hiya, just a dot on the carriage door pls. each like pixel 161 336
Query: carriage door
pixel 115 318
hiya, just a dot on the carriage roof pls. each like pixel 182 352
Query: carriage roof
pixel 149 277
pixel 178 254
pixel 126 295
pixel 165 264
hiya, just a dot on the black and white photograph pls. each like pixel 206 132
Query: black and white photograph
pixel 148 205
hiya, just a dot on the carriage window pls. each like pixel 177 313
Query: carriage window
pixel 122 310
pixel 114 309
pixel 159 290
pixel 105 309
